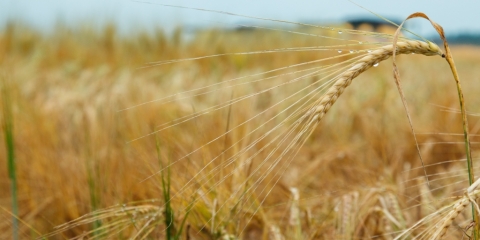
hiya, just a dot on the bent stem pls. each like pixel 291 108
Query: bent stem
pixel 451 63
pixel 471 177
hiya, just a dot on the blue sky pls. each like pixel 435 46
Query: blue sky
pixel 454 16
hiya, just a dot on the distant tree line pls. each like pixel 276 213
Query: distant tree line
pixel 463 38
pixel 458 39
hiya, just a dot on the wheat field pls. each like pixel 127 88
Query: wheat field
pixel 142 136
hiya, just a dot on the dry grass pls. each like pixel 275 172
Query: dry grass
pixel 355 175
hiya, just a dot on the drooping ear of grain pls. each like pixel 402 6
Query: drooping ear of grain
pixel 371 59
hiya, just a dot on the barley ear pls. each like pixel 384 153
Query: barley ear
pixel 369 60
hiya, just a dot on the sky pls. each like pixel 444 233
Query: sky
pixel 455 16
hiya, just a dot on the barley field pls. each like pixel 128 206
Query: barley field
pixel 141 136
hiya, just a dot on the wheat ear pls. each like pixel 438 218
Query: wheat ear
pixel 456 209
pixel 371 59
pixel 470 196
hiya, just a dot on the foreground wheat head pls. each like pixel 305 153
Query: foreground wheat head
pixel 373 58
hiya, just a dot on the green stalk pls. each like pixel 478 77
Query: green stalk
pixel 471 177
pixel 171 232
pixel 169 214
pixel 92 179
pixel 466 135
pixel 94 197
pixel 451 63
pixel 9 144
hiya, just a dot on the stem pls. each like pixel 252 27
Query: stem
pixel 471 176
pixel 9 144
pixel 449 58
